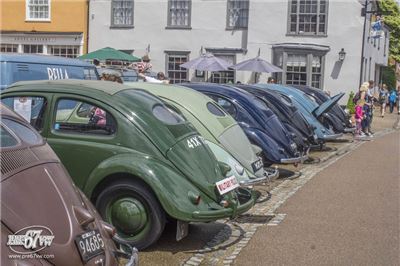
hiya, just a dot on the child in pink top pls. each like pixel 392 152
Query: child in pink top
pixel 359 115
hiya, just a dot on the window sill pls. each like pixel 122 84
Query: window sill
pixel 38 20
pixel 122 27
pixel 236 28
pixel 307 35
pixel 178 27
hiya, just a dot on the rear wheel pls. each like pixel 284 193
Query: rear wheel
pixel 134 211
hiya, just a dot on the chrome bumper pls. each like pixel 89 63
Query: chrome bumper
pixel 132 257
pixel 349 129
pixel 268 175
pixel 299 159
pixel 333 136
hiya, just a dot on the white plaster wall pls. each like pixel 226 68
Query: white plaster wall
pixel 267 26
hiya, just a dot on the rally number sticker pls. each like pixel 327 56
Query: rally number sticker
pixel 195 141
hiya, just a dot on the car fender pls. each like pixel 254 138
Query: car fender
pixel 270 148
pixel 169 186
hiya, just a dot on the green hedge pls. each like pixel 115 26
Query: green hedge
pixel 350 105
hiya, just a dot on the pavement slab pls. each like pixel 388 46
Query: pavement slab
pixel 348 214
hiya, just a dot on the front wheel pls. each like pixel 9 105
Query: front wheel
pixel 134 211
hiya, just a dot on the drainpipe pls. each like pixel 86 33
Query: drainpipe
pixel 363 42
pixel 87 26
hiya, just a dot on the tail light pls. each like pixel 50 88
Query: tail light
pixel 108 228
pixel 83 216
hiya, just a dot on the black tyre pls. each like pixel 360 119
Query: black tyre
pixel 134 211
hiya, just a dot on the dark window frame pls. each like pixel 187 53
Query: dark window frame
pixel 176 54
pixel 169 15
pixel 122 25
pixel 297 15
pixel 244 8
pixel 281 59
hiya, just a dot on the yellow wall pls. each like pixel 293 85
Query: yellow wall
pixel 65 15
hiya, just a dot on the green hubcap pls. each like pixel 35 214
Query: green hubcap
pixel 128 215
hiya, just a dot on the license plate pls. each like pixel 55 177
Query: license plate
pixel 315 137
pixel 90 244
pixel 257 165
pixel 227 184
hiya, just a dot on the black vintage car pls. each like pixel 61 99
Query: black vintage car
pixel 288 114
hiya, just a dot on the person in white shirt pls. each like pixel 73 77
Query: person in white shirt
pixel 160 78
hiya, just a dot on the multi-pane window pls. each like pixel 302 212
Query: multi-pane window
pixel 175 73
pixel 179 13
pixel 38 9
pixel 237 14
pixel 227 76
pixel 308 17
pixel 296 69
pixel 70 51
pixel 316 71
pixel 300 68
pixel 8 48
pixel 33 48
pixel 122 13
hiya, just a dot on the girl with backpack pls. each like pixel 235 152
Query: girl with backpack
pixel 392 100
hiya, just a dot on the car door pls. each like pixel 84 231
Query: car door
pixel 82 133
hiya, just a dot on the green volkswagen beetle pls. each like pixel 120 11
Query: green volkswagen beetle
pixel 223 135
pixel 136 157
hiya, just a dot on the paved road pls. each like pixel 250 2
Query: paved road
pixel 349 214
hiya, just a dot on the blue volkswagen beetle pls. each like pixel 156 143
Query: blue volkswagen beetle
pixel 260 124
pixel 308 108
pixel 288 114
pixel 320 97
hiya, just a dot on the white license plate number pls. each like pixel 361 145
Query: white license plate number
pixel 227 184
pixel 90 244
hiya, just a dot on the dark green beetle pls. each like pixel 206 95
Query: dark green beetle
pixel 136 157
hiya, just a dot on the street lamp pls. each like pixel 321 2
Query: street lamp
pixel 342 55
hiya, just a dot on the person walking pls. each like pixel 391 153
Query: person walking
pixel 383 93
pixel 392 100
pixel 398 99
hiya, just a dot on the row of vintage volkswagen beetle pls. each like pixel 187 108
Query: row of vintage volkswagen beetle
pixel 246 127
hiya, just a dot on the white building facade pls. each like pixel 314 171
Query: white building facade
pixel 303 37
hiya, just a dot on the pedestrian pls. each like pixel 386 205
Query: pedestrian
pixel 271 80
pixel 367 109
pixel 383 93
pixel 160 78
pixel 398 99
pixel 392 100
pixel 359 114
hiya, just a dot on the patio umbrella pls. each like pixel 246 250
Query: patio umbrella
pixel 257 65
pixel 109 53
pixel 207 62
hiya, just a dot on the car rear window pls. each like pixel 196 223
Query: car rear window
pixel 26 134
pixel 214 109
pixel 167 115
pixel 7 140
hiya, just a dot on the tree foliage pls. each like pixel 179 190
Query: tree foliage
pixel 389 77
pixel 391 13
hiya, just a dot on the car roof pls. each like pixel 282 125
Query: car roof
pixel 107 87
pixel 42 59
pixel 193 101
pixel 5 111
